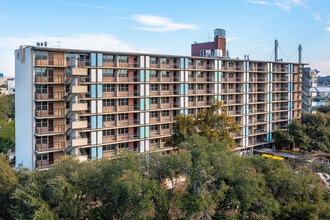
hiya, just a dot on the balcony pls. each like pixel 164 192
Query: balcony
pixel 56 112
pixel 56 146
pixel 44 164
pixel 79 142
pixel 50 80
pixel 77 107
pixel 49 96
pixel 78 124
pixel 56 129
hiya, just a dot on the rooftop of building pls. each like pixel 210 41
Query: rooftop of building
pixel 150 54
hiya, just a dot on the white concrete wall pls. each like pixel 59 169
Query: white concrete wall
pixel 24 114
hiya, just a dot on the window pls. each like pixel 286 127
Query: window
pixel 123 73
pixel 153 100
pixel 165 74
pixel 199 62
pixel 123 131
pixel 166 113
pixel 123 145
pixel 154 114
pixel 191 74
pixel 230 108
pixel 153 87
pixel 108 88
pixel 191 86
pixel 41 106
pixel 109 117
pixel 123 102
pixel 123 116
pixel 165 100
pixel 41 72
pixel 109 147
pixel 123 59
pixel 200 86
pixel 200 74
pixel 41 88
pixel 230 97
pixel 190 98
pixel 230 86
pixel 41 55
pixel 154 128
pixel 153 74
pixel 200 98
pixel 190 111
pixel 41 140
pixel 190 62
pixel 42 157
pixel 108 102
pixel 107 73
pixel 108 58
pixel 123 88
pixel 165 60
pixel 153 60
pixel 41 123
pixel 165 87
pixel 165 126
pixel 109 132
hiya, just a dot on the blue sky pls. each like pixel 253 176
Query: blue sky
pixel 169 27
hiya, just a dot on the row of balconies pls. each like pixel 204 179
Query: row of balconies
pixel 204 65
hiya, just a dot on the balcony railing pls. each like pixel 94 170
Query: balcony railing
pixel 56 146
pixel 50 96
pixel 56 129
pixel 44 164
pixel 56 112
pixel 48 79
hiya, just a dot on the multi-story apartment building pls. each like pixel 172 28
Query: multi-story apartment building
pixel 97 104
pixel 308 85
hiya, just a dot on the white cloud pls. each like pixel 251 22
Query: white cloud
pixel 103 42
pixel 228 39
pixel 258 2
pixel 327 28
pixel 284 4
pixel 317 16
pixel 258 30
pixel 160 24
pixel 323 66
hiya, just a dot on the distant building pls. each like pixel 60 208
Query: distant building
pixel 3 79
pixel 309 82
pixel 10 86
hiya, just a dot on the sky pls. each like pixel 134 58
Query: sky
pixel 169 27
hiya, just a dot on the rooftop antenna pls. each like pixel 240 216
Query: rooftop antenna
pixel 58 44
pixel 299 53
pixel 208 38
pixel 276 50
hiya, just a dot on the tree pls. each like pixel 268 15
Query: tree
pixel 215 124
pixel 212 123
pixel 300 138
pixel 7 107
pixel 324 109
pixel 7 136
pixel 183 127
pixel 8 183
pixel 282 140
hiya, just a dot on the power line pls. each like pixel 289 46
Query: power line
pixel 284 54
pixel 270 58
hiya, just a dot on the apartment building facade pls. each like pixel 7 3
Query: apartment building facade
pixel 96 104
pixel 309 82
